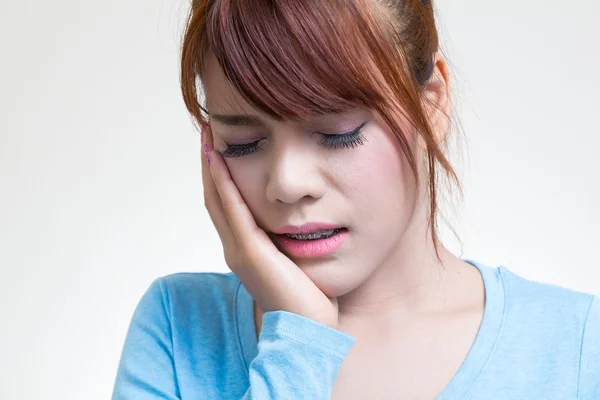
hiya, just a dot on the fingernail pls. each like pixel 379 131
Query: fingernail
pixel 207 153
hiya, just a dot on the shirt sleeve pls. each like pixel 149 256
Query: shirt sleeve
pixel 589 372
pixel 146 368
pixel 297 358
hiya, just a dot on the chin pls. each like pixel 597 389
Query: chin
pixel 334 277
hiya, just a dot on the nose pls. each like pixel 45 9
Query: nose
pixel 294 175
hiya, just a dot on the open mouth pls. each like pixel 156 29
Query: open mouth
pixel 319 243
pixel 317 235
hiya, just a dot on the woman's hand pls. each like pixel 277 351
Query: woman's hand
pixel 273 280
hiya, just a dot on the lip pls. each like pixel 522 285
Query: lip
pixel 310 248
pixel 306 228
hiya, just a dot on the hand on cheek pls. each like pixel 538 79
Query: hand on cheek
pixel 273 280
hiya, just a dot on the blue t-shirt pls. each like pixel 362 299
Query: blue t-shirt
pixel 193 336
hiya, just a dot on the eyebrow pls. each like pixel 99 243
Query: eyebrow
pixel 238 120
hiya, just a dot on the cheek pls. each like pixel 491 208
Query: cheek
pixel 247 177
pixel 378 171
pixel 381 191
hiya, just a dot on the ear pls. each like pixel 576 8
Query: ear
pixel 437 98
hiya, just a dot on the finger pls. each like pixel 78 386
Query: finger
pixel 236 211
pixel 212 201
pixel 268 274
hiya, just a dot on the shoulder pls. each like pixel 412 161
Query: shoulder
pixel 184 287
pixel 535 315
pixel 180 319
pixel 183 302
pixel 186 294
pixel 562 323
pixel 187 311
pixel 548 304
pixel 551 332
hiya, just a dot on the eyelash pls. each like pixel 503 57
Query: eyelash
pixel 346 140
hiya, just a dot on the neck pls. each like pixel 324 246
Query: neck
pixel 412 280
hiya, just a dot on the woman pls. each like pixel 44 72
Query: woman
pixel 323 129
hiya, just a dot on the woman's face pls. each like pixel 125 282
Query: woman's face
pixel 294 175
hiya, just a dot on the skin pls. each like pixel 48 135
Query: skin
pixel 384 285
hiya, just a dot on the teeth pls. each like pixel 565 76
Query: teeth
pixel 320 234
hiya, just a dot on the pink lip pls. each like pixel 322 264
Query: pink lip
pixel 306 228
pixel 310 248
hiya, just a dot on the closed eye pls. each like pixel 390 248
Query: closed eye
pixel 346 140
pixel 351 139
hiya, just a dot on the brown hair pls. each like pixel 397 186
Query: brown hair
pixel 291 59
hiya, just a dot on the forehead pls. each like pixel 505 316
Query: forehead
pixel 221 96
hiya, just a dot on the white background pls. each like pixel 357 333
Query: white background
pixel 100 188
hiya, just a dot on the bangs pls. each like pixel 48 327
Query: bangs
pixel 293 59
